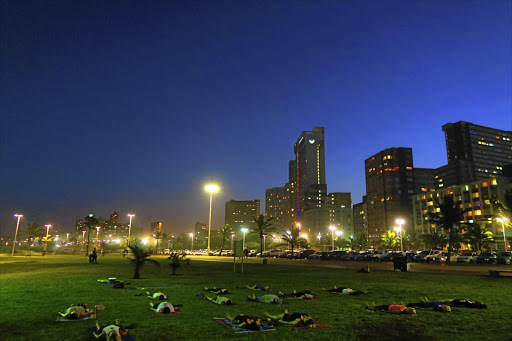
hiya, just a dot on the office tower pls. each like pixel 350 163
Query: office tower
pixel 339 205
pixel 424 180
pixel 156 227
pixel 239 213
pixel 477 198
pixel 309 166
pixel 474 152
pixel 277 206
pixel 360 220
pixel 200 232
pixel 389 188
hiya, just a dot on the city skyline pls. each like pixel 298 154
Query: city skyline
pixel 98 118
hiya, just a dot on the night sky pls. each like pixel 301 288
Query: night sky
pixel 133 106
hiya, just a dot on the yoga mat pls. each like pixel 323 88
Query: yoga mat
pixel 126 338
pixel 90 317
pixel 316 324
pixel 225 323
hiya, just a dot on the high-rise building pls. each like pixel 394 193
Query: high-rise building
pixel 339 205
pixel 239 213
pixel 156 227
pixel 200 232
pixel 277 206
pixel 310 185
pixel 389 189
pixel 474 152
pixel 477 198
pixel 360 221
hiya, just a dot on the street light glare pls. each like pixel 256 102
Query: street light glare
pixel 18 215
pixel 244 229
pixel 212 188
pixel 332 228
pixel 131 215
pixel 400 221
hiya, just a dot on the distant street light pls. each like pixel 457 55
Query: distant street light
pixel 191 238
pixel 503 221
pixel 244 231
pixel 47 234
pixel 130 227
pixel 210 188
pixel 400 222
pixel 67 237
pixel 332 228
pixel 97 232
pixel 232 238
pixel 16 234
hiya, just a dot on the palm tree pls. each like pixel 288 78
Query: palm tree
pixel 33 231
pixel 478 235
pixel 225 233
pixel 140 257
pixel 90 222
pixel 176 260
pixel 293 239
pixel 505 206
pixel 360 243
pixel 389 240
pixel 46 239
pixel 263 227
pixel 413 241
pixel 449 218
pixel 165 236
pixel 434 240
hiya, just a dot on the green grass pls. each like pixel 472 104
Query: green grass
pixel 33 290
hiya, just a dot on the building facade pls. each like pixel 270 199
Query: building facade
pixel 476 197
pixel 474 152
pixel 239 213
pixel 389 190
pixel 277 206
pixel 360 220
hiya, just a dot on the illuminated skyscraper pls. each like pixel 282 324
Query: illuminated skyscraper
pixel 239 213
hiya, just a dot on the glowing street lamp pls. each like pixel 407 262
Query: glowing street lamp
pixel 304 235
pixel 67 237
pixel 400 222
pixel 244 231
pixel 332 228
pixel 299 226
pixel 97 232
pixel 16 234
pixel 130 227
pixel 503 221
pixel 47 234
pixel 210 188
pixel 191 235
pixel 232 240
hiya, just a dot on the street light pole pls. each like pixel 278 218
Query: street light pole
pixel 210 188
pixel 244 231
pixel 97 232
pixel 502 221
pixel 47 233
pixel 400 222
pixel 130 227
pixel 192 238
pixel 332 228
pixel 16 234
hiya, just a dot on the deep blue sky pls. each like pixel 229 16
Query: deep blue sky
pixel 134 105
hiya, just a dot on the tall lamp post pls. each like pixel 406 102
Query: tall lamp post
pixel 130 227
pixel 67 237
pixel 264 242
pixel 244 231
pixel 16 234
pixel 400 222
pixel 97 232
pixel 332 228
pixel 339 234
pixel 232 239
pixel 210 188
pixel 503 221
pixel 192 239
pixel 47 234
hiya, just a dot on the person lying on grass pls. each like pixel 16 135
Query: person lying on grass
pixel 245 321
pixel 217 291
pixel 293 319
pixel 461 303
pixel 76 311
pixel 164 307
pixel 111 331
pixel 259 287
pixel 301 295
pixel 426 304
pixel 268 298
pixel 218 300
pixel 157 295
pixel 392 308
pixel 342 290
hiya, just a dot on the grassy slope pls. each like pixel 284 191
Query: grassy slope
pixel 33 290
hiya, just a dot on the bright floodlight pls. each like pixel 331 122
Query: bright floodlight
pixel 502 220
pixel 400 221
pixel 305 236
pixel 131 215
pixel 244 229
pixel 339 233
pixel 191 235
pixel 332 228
pixel 212 188
pixel 18 215
pixel 398 229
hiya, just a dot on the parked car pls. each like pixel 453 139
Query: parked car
pixel 487 258
pixel 389 257
pixel 349 256
pixel 324 255
pixel 276 253
pixel 363 255
pixel 430 257
pixel 467 257
pixel 443 256
pixel 379 254
pixel 420 257
pixel 337 254
pixel 410 256
pixel 504 257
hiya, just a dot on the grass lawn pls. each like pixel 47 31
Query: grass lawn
pixel 32 290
